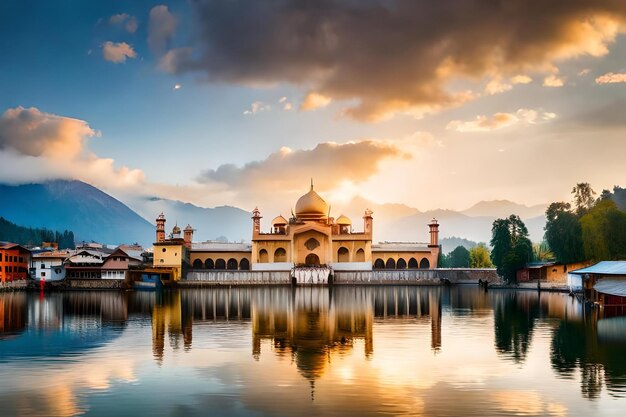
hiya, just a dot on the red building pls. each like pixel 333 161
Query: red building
pixel 14 262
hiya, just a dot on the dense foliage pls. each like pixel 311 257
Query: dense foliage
pixel 479 257
pixel 592 229
pixel 458 258
pixel 11 232
pixel 512 248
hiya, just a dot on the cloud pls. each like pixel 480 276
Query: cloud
pixel 117 52
pixel 500 120
pixel 389 57
pixel 329 163
pixel 256 107
pixel 161 29
pixel 37 146
pixel 314 101
pixel 584 72
pixel 521 79
pixel 554 80
pixel 130 22
pixel 287 105
pixel 611 77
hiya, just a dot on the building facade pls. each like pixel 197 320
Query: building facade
pixel 14 262
pixel 310 238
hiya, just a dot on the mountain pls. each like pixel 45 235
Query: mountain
pixel 397 222
pixel 74 205
pixel 504 208
pixel 210 223
pixel 448 244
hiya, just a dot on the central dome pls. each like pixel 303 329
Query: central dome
pixel 311 206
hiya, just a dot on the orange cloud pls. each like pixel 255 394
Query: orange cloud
pixel 500 120
pixel 386 58
pixel 611 78
pixel 38 146
pixel 117 52
pixel 314 101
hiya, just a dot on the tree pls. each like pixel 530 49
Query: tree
pixel 542 252
pixel 512 248
pixel 583 197
pixel 564 233
pixel 479 257
pixel 604 232
pixel 458 258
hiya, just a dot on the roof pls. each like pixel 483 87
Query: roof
pixel 400 247
pixel 62 254
pixel 10 245
pixel 612 286
pixel 311 204
pixel 343 220
pixel 221 247
pixel 279 220
pixel 603 268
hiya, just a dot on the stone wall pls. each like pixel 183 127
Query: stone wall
pixel 237 278
pixel 21 284
pixel 95 284
pixel 376 277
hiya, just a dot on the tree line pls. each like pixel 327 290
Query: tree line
pixel 11 232
pixel 590 228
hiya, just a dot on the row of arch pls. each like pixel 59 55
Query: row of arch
pixel 280 255
pixel 343 255
pixel 402 264
pixel 222 264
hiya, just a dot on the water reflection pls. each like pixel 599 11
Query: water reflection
pixel 394 342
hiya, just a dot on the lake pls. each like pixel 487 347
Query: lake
pixel 435 351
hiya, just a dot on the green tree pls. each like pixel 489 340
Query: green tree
pixel 604 232
pixel 480 257
pixel 564 233
pixel 512 248
pixel 583 197
pixel 542 252
pixel 459 258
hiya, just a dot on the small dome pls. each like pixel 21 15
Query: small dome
pixel 176 230
pixel 343 221
pixel 311 205
pixel 161 217
pixel 279 221
pixel 189 228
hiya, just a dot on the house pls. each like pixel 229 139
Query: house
pixel 118 263
pixel 49 265
pixel 555 272
pixel 14 262
pixel 85 264
pixel 603 283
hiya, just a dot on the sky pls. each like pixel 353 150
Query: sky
pixel 430 104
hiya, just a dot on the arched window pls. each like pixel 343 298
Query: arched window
pixel 401 264
pixel 244 265
pixel 343 255
pixel 379 264
pixel 232 264
pixel 424 263
pixel 280 255
pixel 360 256
pixel 412 263
pixel 391 264
pixel 220 264
pixel 197 264
pixel 263 258
pixel 209 264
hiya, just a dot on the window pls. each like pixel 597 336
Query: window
pixel 43 266
pixel 163 249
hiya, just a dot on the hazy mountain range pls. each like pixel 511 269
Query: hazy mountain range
pixel 94 215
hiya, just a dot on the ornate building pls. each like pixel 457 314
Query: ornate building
pixel 312 237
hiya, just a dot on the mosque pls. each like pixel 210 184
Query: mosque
pixel 311 237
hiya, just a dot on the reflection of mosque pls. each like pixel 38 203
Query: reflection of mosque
pixel 310 324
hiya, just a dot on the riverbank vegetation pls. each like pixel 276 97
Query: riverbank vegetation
pixel 11 232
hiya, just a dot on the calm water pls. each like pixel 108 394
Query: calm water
pixel 277 351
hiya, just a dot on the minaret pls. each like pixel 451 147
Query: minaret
pixel 256 222
pixel 160 228
pixel 434 233
pixel 188 236
pixel 368 222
